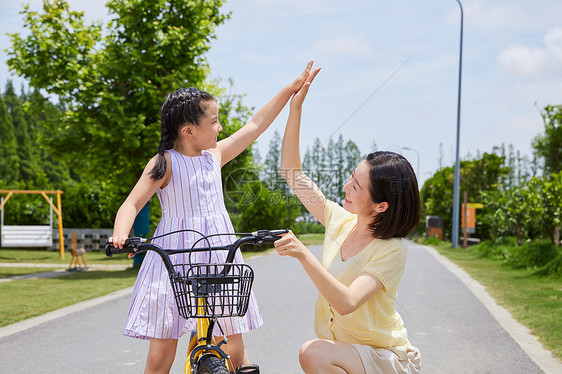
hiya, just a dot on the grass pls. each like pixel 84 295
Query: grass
pixel 535 301
pixel 6 272
pixel 52 257
pixel 312 239
pixel 22 299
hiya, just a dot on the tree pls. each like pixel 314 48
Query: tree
pixel 342 173
pixel 512 211
pixel 551 204
pixel 28 152
pixel 483 174
pixel 112 80
pixel 272 178
pixel 9 159
pixel 242 169
pixel 263 208
pixel 549 145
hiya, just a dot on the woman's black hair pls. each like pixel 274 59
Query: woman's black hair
pixel 393 181
pixel 182 107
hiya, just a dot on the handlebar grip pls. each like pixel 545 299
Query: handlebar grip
pixel 128 247
pixel 278 232
pixel 110 250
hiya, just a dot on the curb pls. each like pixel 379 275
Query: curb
pixel 520 333
pixel 36 321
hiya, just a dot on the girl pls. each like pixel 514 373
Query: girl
pixel 186 176
pixel 363 259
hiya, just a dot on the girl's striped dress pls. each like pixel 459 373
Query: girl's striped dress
pixel 193 199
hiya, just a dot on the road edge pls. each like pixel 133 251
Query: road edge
pixel 71 309
pixel 519 332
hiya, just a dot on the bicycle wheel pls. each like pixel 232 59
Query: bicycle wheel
pixel 211 364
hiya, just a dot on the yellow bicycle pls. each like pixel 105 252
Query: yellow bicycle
pixel 207 292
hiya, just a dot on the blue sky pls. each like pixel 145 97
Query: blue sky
pixel 512 64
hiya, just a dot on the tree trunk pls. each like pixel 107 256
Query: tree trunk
pixel 556 236
pixel 518 234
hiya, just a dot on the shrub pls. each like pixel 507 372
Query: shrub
pixel 553 268
pixel 431 241
pixel 534 254
pixel 308 227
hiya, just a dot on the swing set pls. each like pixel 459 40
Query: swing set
pixel 33 236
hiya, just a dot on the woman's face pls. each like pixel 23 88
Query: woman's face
pixel 208 130
pixel 357 196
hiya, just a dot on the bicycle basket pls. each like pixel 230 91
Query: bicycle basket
pixel 201 290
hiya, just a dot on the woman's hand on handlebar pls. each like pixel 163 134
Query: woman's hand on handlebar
pixel 290 245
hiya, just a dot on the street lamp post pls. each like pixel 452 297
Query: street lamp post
pixel 456 202
pixel 418 155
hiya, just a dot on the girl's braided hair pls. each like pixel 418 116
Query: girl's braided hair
pixel 182 107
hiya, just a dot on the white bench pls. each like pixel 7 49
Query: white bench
pixel 27 236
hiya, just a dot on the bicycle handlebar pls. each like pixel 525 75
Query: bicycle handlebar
pixel 137 244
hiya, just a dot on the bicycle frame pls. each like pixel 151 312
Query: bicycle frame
pixel 202 342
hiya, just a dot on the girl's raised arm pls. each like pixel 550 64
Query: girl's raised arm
pixel 232 146
pixel 291 167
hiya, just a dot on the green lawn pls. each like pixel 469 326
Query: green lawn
pixel 21 299
pixel 312 239
pixel 52 257
pixel 535 301
pixel 6 272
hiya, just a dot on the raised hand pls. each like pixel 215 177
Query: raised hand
pixel 299 96
pixel 298 83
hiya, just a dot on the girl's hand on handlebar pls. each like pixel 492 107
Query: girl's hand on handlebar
pixel 118 242
pixel 290 245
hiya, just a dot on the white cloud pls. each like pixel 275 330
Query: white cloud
pixel 342 45
pixel 535 61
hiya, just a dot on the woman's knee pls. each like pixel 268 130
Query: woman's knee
pixel 311 355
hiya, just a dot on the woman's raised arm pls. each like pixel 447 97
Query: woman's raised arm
pixel 291 167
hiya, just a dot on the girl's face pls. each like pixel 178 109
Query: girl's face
pixel 206 133
pixel 357 195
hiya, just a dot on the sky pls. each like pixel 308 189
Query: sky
pixel 390 69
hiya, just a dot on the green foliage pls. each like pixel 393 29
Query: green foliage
pixel 549 145
pixel 526 211
pixel 534 254
pixel 9 172
pixel 27 152
pixel 303 227
pixel 478 175
pixel 511 212
pixel 551 204
pixel 242 169
pixel 431 241
pixel 111 79
pixel 261 208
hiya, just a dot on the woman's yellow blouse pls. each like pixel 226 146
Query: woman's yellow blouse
pixel 376 322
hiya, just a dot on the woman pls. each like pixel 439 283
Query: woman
pixel 363 259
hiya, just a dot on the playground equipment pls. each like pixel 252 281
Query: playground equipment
pixel 32 236
pixel 77 254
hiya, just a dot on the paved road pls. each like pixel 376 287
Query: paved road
pixel 453 331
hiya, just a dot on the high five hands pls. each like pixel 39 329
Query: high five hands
pixel 306 79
